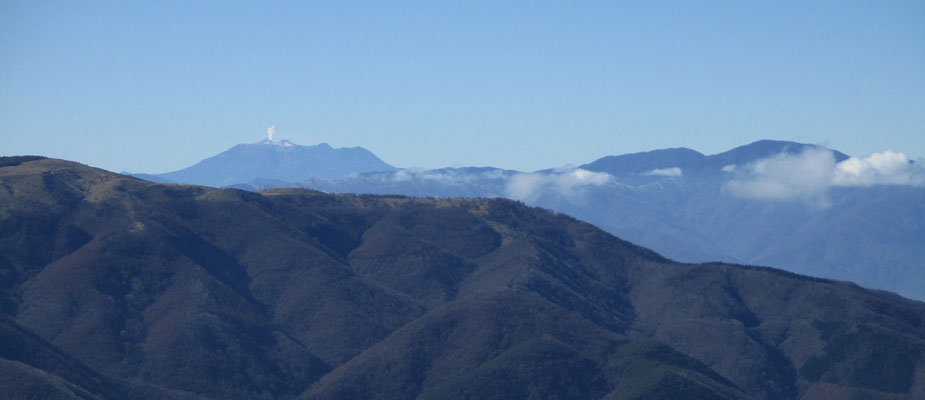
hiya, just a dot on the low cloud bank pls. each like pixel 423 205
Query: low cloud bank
pixel 886 168
pixel 664 172
pixel 809 174
pixel 448 177
pixel 569 183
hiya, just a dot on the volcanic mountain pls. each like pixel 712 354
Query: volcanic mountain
pixel 114 287
pixel 277 161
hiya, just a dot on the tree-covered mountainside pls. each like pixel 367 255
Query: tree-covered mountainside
pixel 678 203
pixel 113 287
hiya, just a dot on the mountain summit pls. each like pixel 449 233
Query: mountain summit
pixel 278 160
pixel 636 167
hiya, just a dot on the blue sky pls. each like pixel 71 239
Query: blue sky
pixel 157 86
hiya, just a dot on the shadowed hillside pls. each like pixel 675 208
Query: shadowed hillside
pixel 122 288
pixel 683 205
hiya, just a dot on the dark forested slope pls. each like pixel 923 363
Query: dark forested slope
pixel 114 287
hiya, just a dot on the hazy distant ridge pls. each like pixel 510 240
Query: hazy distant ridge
pixel 801 207
pixel 279 160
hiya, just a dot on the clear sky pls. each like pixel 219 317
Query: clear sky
pixel 156 86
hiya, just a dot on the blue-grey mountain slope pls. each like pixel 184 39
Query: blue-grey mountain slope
pixel 676 202
pixel 278 160
pixel 637 167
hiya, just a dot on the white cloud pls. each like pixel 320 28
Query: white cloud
pixel 809 174
pixel 524 186
pixel 675 171
pixel 886 168
pixel 785 176
pixel 402 175
pixel 451 177
pixel 569 183
pixel 447 177
pixel 493 174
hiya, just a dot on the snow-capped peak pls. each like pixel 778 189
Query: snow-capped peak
pixel 277 142
pixel 271 132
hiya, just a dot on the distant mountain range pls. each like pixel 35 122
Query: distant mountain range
pixel 113 287
pixel 276 162
pixel 800 207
